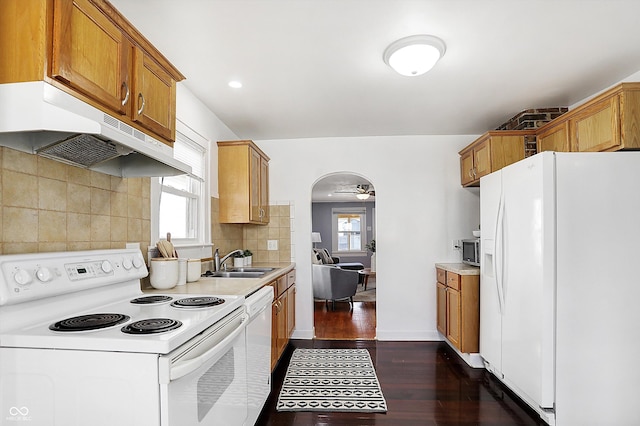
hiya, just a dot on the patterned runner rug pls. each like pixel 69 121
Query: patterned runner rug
pixel 331 380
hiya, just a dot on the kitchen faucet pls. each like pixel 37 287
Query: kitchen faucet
pixel 220 262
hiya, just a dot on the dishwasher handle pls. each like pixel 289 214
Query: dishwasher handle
pixel 259 301
pixel 183 367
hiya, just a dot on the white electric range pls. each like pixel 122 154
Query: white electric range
pixel 81 344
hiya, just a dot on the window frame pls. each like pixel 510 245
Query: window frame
pixel 203 214
pixel 335 212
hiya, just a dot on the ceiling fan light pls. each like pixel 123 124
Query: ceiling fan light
pixel 362 196
pixel 414 55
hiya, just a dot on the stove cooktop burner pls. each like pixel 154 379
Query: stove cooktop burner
pixel 89 322
pixel 197 302
pixel 150 300
pixel 151 326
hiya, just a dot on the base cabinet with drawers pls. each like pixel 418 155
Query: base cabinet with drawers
pixel 283 311
pixel 458 305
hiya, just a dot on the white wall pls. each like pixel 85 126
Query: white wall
pixel 192 112
pixel 420 208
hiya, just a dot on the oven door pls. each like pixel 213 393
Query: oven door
pixel 204 382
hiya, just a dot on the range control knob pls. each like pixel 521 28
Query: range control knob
pixel 137 262
pixel 106 267
pixel 126 264
pixel 22 277
pixel 44 274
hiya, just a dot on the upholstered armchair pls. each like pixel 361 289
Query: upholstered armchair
pixel 332 283
pixel 321 256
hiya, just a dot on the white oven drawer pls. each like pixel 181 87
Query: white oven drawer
pixel 205 381
pixel 45 387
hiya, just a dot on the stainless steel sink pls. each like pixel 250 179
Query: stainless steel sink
pixel 237 274
pixel 250 269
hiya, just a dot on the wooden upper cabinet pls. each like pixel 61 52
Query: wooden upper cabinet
pixel 466 167
pixel 154 94
pixel 490 152
pixel 255 207
pixel 100 73
pixel 264 189
pixel 482 158
pixel 89 50
pixel 597 127
pixel 243 183
pixel 554 138
pixel 608 122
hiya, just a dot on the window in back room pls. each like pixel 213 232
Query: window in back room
pixel 348 225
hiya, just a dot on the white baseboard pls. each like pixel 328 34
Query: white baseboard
pixel 303 334
pixel 400 335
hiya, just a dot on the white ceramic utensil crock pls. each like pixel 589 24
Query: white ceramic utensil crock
pixel 164 273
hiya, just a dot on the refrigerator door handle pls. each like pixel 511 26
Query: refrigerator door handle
pixel 499 254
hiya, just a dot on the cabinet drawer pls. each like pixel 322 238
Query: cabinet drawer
pixel 442 275
pixel 291 276
pixel 281 285
pixel 453 280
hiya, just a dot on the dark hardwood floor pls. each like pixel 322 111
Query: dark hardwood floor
pixel 424 383
pixel 344 323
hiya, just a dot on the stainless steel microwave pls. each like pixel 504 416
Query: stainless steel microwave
pixel 471 252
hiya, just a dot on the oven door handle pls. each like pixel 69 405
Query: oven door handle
pixel 182 368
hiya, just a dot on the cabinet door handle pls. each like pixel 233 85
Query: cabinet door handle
pixel 127 93
pixel 140 95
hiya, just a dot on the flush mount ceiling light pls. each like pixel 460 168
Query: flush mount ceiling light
pixel 235 84
pixel 364 196
pixel 414 55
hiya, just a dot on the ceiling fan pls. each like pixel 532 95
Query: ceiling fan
pixel 362 192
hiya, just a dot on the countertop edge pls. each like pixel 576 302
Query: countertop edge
pixel 228 286
pixel 459 268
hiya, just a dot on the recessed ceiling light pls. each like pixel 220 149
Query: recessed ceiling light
pixel 235 84
pixel 414 55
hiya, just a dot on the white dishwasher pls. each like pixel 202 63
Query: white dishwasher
pixel 258 307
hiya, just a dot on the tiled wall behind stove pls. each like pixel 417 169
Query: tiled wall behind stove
pixel 50 206
pixel 227 237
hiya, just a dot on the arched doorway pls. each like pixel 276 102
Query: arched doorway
pixel 344 227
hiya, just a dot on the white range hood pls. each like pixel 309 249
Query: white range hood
pixel 39 118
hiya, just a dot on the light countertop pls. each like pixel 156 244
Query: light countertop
pixel 230 286
pixel 459 268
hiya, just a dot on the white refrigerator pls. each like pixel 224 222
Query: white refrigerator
pixel 559 292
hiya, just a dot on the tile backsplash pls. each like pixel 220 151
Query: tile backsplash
pixel 48 206
pixel 51 206
pixel 227 237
